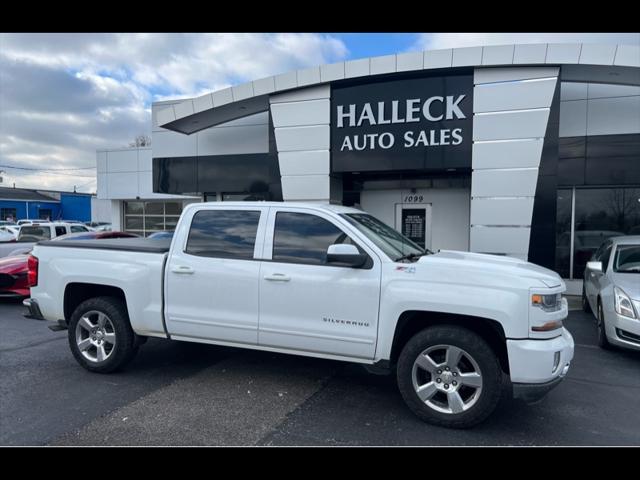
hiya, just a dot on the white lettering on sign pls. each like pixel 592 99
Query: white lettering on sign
pixel 432 109
pixel 426 110
pixel 412 107
pixel 371 141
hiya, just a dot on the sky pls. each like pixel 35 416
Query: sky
pixel 65 95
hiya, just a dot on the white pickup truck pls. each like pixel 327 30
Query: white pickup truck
pixel 30 233
pixel 318 280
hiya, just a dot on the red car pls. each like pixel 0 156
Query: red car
pixel 13 270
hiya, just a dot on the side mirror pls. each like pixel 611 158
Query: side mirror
pixel 347 255
pixel 595 266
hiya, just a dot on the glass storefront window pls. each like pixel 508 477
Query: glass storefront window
pixel 133 208
pixel 591 216
pixel 602 213
pixel 134 223
pixel 144 218
pixel 563 231
pixel 154 208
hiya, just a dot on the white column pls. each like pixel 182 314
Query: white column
pixel 301 121
pixel 117 222
pixel 510 113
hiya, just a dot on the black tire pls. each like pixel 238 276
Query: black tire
pixel 473 345
pixel 603 341
pixel 126 344
pixel 585 302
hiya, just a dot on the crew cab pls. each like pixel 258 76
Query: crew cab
pixel 317 280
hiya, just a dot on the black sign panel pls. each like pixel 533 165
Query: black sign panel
pixel 414 224
pixel 412 124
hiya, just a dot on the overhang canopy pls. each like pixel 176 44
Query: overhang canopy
pixel 597 63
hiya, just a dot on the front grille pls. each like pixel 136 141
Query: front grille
pixel 6 280
pixel 629 337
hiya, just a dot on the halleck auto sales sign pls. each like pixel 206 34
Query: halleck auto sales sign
pixel 417 123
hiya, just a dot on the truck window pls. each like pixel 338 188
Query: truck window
pixel 78 229
pixel 34 234
pixel 304 238
pixel 61 231
pixel 223 234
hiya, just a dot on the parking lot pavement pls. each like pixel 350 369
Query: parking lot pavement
pixel 44 393
pixel 186 394
pixel 597 404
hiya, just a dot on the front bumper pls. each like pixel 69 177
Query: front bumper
pixel 537 366
pixel 623 331
pixel 532 392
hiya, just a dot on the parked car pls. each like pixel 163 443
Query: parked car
pixel 11 229
pixel 13 276
pixel 96 224
pixel 30 234
pixel 94 235
pixel 324 281
pixel 13 268
pixel 6 236
pixel 157 235
pixel 611 290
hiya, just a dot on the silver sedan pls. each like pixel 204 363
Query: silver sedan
pixel 611 290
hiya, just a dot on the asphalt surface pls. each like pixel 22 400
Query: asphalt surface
pixel 177 393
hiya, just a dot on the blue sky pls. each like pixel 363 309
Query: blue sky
pixel 361 45
pixel 66 95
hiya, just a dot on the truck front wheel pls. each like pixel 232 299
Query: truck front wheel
pixel 100 336
pixel 449 376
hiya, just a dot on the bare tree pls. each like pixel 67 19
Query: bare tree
pixel 141 140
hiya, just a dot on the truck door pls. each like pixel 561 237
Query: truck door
pixel 307 304
pixel 212 275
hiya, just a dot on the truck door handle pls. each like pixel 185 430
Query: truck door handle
pixel 277 277
pixel 182 269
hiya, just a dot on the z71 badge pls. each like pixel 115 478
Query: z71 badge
pixel 408 269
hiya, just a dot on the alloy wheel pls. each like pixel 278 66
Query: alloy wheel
pixel 447 379
pixel 95 336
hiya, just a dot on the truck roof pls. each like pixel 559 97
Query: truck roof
pixel 314 206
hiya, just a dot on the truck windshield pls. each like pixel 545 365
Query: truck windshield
pixel 391 242
pixel 627 259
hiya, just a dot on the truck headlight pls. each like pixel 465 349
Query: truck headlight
pixel 623 303
pixel 548 303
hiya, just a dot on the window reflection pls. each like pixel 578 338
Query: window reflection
pixel 563 231
pixel 602 213
pixel 223 233
pixel 304 238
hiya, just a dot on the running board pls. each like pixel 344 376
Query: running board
pixel 62 325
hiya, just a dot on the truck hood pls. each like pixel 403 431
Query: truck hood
pixel 493 265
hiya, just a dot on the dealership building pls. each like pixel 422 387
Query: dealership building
pixel 530 151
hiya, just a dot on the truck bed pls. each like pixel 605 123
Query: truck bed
pixel 141 245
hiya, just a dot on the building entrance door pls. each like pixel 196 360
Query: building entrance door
pixel 413 220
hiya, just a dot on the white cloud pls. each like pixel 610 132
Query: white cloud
pixel 429 41
pixel 65 95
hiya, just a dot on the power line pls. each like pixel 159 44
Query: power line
pixel 68 174
pixel 46 169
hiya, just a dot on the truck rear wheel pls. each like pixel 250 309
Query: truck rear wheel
pixel 449 376
pixel 100 335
